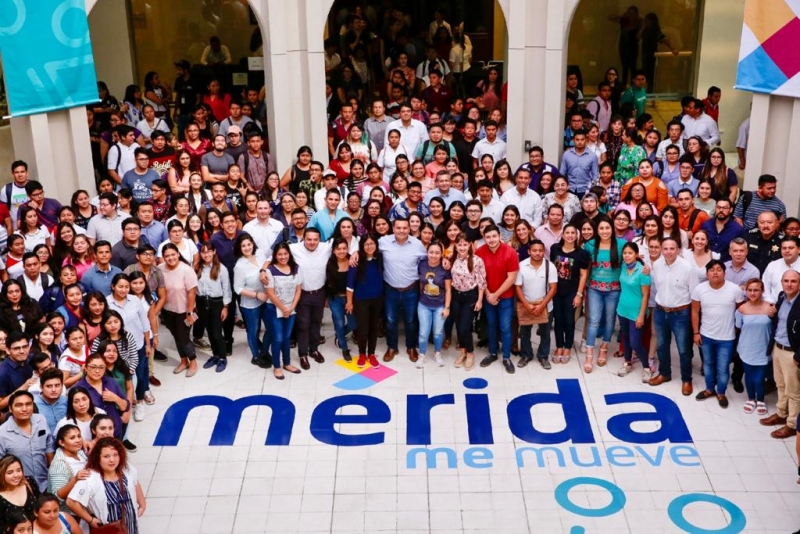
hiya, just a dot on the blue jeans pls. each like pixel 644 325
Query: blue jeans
pixel 754 381
pixel 717 356
pixel 525 345
pixel 281 330
pixel 499 317
pixel 142 374
pixel 430 319
pixel 253 317
pixel 405 301
pixel 602 314
pixel 632 341
pixel 343 323
pixel 677 323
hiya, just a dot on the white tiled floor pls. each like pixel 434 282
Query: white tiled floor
pixel 309 486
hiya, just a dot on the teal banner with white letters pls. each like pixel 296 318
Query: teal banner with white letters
pixel 47 55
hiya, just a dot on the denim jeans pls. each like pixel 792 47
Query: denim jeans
pixel 343 323
pixel 253 317
pixel 525 346
pixel 142 374
pixel 602 314
pixel 564 320
pixel 499 317
pixel 678 324
pixel 717 356
pixel 405 302
pixel 430 320
pixel 281 330
pixel 632 340
pixel 754 381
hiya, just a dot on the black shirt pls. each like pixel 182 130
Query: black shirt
pixel 186 91
pixel 760 251
pixel 569 265
pixel 464 153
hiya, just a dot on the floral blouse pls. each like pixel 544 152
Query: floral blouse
pixel 603 277
pixel 463 280
pixel 571 206
pixel 628 162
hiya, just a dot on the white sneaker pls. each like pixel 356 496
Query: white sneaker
pixel 149 398
pixel 647 374
pixel 138 412
pixel 437 357
pixel 420 361
pixel 625 369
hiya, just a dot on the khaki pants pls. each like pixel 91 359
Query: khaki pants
pixel 788 385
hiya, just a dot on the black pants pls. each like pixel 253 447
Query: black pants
pixel 176 324
pixel 209 311
pixel 463 314
pixel 368 314
pixel 309 320
pixel 230 320
pixel 564 320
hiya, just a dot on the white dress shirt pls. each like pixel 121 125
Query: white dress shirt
pixel 529 205
pixel 675 282
pixel 264 234
pixel 496 149
pixel 772 278
pixel 411 136
pixel 703 126
pixel 313 264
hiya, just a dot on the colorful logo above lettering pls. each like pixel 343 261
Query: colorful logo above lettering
pixel 47 55
pixel 363 378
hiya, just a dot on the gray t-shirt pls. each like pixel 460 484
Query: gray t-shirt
pixel 217 164
pixel 140 184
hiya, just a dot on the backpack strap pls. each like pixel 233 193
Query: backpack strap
pixel 9 190
pixel 747 198
pixel 693 219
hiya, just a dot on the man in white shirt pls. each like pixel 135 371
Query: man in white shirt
pixel 528 202
pixel 697 123
pixel 536 284
pixel 674 134
pixel 675 278
pixel 790 260
pixel 412 132
pixel 263 229
pixel 312 257
pixel 107 224
pixel 31 279
pixel 490 144
pixel 491 203
pixel 121 156
pixel 329 181
pixel 741 142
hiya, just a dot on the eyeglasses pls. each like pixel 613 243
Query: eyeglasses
pixel 96 367
pixel 156 189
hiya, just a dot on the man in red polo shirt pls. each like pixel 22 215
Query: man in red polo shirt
pixel 502 264
pixel 436 95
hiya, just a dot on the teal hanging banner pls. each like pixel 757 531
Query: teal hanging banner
pixel 47 55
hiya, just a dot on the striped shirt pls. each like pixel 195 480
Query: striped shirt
pixel 757 206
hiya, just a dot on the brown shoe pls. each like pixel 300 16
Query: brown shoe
pixel 773 419
pixel 446 343
pixel 658 380
pixel 155 381
pixel 389 356
pixel 783 432
pixel 304 363
pixel 413 354
pixel 317 357
pixel 687 389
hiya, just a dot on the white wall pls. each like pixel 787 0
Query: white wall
pixel 719 57
pixel 111 43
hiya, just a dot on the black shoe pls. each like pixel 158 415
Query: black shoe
pixel 262 362
pixel 489 360
pixel 738 387
pixel 229 348
pixel 211 362
pixel 508 365
pixel 129 446
pixel 347 356
pixel 545 363
pixel 317 357
pixel 160 356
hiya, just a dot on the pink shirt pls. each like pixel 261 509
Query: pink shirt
pixel 178 282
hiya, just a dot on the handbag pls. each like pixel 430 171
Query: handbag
pixel 119 526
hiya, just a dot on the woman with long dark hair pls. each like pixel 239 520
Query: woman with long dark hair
pixel 630 155
pixel 572 265
pixel 157 96
pixel 180 173
pixel 613 139
pixel 250 262
pixel 213 297
pixel 336 287
pixel 283 290
pixel 80 411
pixel 604 289
pixel 468 274
pixel 632 307
pixel 365 298
pixel 724 183
pixel 82 207
pixel 17 310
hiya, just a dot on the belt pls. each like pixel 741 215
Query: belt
pixel 413 285
pixel 313 292
pixel 783 347
pixel 673 310
pixel 213 299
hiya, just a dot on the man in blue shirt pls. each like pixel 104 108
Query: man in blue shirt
pixel 50 401
pixel 722 229
pixel 325 220
pixel 153 231
pixel 98 277
pixel 223 241
pixel 579 165
pixel 26 436
pixel 444 190
pixel 15 373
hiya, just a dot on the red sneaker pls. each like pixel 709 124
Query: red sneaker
pixel 362 360
pixel 373 361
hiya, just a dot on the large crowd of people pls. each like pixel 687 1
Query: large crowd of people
pixel 415 217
